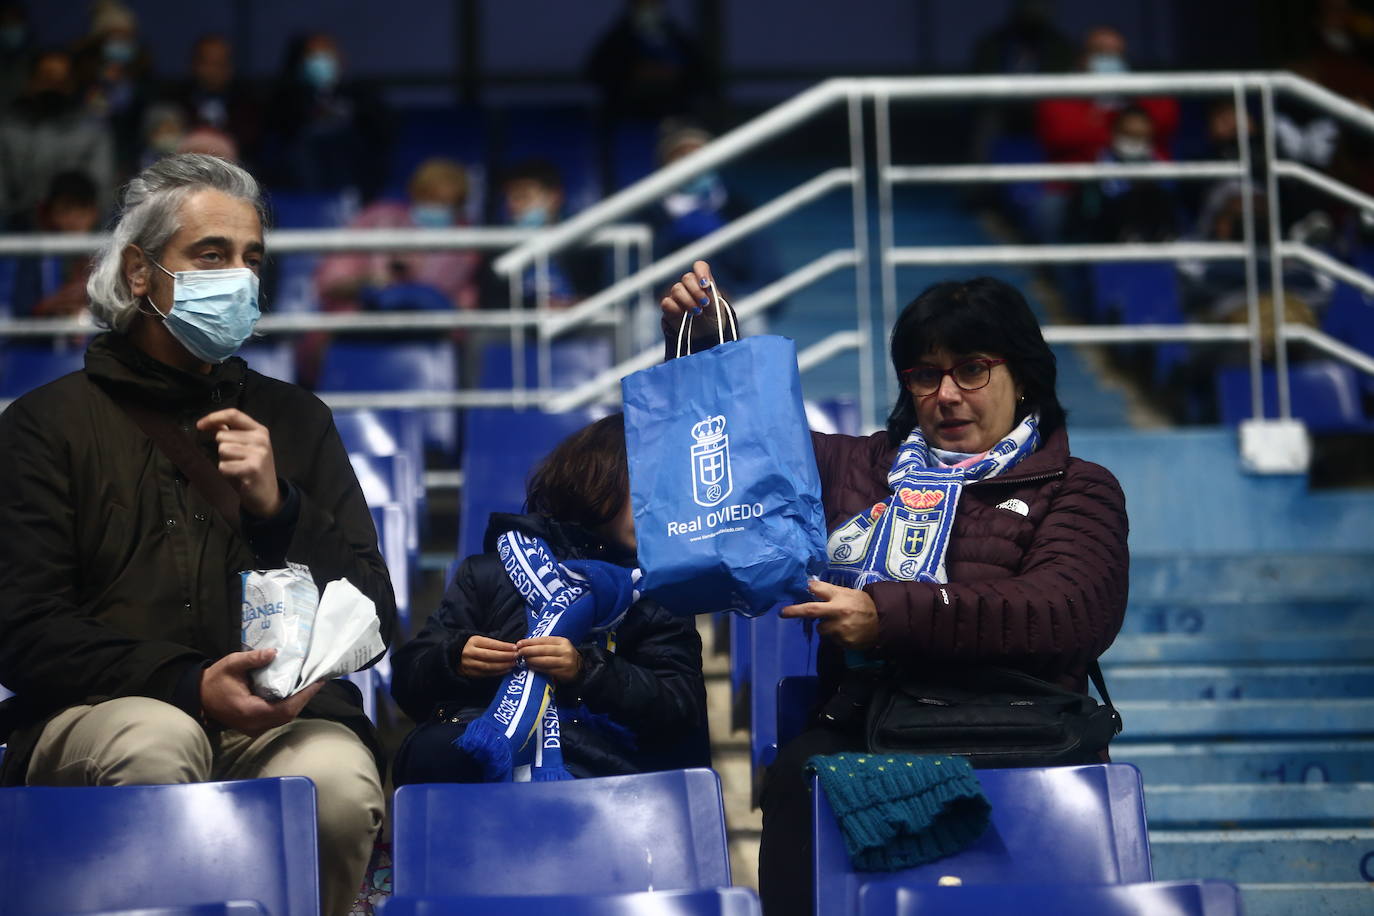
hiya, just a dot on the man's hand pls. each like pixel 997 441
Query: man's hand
pixel 245 459
pixel 847 615
pixel 554 656
pixel 486 657
pixel 227 698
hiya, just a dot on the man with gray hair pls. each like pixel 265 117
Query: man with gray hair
pixel 134 492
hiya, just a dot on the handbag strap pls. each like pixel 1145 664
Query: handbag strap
pixel 181 450
pixel 1095 674
pixel 729 311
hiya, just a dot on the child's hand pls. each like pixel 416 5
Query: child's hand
pixel 486 657
pixel 554 656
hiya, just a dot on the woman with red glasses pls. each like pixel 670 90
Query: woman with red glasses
pixel 998 547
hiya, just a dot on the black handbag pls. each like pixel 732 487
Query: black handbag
pixel 996 717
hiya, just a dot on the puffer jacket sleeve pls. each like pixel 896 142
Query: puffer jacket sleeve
pixel 424 671
pixel 652 683
pixel 1061 610
pixel 50 647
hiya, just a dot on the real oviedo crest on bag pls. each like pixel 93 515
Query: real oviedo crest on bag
pixel 723 479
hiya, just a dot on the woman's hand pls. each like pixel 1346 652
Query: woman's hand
pixel 554 656
pixel 847 615
pixel 486 657
pixel 692 294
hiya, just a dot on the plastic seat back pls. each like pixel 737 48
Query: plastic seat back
pixel 1083 825
pixel 1325 395
pixel 500 448
pixel 276 360
pixel 398 365
pixel 72 850
pixel 617 834
pixel 24 367
pixel 229 908
pixel 720 901
pixel 1176 898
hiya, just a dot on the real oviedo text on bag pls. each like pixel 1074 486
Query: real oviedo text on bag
pixel 723 479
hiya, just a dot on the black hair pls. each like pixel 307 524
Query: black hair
pixel 72 187
pixel 541 171
pixel 980 315
pixel 585 480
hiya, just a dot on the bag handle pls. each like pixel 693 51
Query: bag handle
pixel 1095 674
pixel 717 302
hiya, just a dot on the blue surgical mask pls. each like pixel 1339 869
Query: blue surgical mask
pixel 213 311
pixel 320 69
pixel 431 216
pixel 119 50
pixel 1107 63
pixel 704 185
pixel 535 217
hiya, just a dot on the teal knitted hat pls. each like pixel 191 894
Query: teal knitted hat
pixel 902 810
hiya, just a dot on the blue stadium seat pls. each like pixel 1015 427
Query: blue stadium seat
pixel 796 696
pixel 1142 292
pixel 293 288
pixel 570 363
pixel 1082 825
pixel 24 367
pixel 500 448
pixel 276 360
pixel 563 135
pixel 454 132
pixel 70 850
pixel 778 648
pixel 408 365
pixel 1183 898
pixel 720 901
pixel 1349 317
pixel 617 834
pixel 231 908
pixel 1324 394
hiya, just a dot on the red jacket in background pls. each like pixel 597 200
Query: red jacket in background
pixel 1078 130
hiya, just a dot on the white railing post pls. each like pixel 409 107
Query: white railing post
pixel 887 229
pixel 1252 307
pixel 1275 255
pixel 862 281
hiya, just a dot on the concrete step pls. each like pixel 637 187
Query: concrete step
pixel 1165 763
pixel 1272 615
pixel 1334 855
pixel 1192 578
pixel 1287 648
pixel 1354 898
pixel 1236 682
pixel 1147 720
pixel 1342 804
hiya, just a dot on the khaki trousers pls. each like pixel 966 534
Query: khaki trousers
pixel 142 741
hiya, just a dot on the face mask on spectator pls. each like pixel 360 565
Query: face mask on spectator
pixel 1132 149
pixel 119 50
pixel 534 217
pixel 12 37
pixel 213 311
pixel 431 216
pixel 320 69
pixel 1107 63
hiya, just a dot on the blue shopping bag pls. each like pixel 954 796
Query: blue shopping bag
pixel 723 480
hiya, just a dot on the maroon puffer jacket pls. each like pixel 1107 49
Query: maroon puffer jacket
pixel 1037 563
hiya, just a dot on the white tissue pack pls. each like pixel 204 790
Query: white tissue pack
pixel 316 636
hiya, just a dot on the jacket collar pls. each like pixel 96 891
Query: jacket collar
pixel 122 368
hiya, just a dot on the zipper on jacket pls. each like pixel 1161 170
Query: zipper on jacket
pixel 1018 480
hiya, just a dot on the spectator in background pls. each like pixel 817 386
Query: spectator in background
pixel 1125 210
pixel 164 128
pixel 16 50
pixel 211 99
pixel 532 198
pixel 44 133
pixel 438 192
pixel 114 78
pixel 1027 42
pixel 648 68
pixel 702 206
pixel 1080 129
pixel 55 285
pixel 326 133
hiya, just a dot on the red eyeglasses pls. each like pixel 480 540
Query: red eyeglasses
pixel 970 375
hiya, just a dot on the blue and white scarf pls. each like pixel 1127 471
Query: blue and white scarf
pixel 904 537
pixel 572 600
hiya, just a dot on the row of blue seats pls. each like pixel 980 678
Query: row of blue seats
pixel 102 849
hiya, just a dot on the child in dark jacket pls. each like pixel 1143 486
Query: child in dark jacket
pixel 630 700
